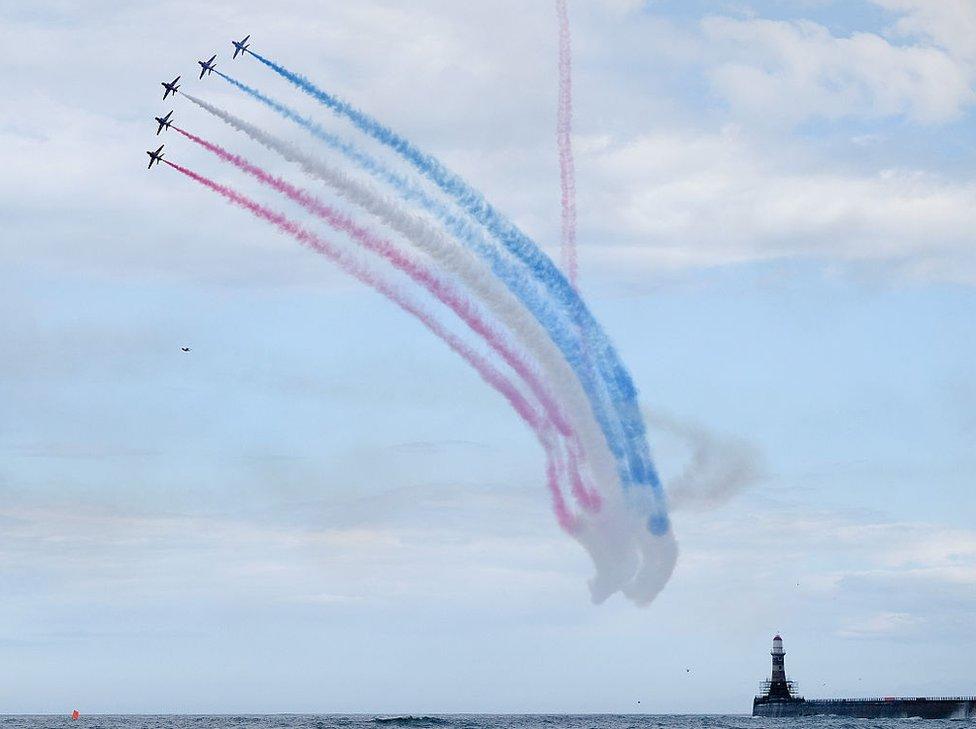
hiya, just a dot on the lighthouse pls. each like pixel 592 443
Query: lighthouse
pixel 778 698
pixel 778 688
pixel 779 664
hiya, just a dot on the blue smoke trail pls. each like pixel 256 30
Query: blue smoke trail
pixel 633 451
pixel 511 275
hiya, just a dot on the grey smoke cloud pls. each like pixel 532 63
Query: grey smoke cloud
pixel 719 466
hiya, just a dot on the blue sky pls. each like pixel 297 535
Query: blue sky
pixel 321 509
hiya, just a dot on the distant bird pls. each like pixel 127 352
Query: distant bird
pixel 185 349
pixel 687 670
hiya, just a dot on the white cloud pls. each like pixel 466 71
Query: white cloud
pixel 624 6
pixel 480 545
pixel 338 556
pixel 880 625
pixel 948 24
pixel 790 71
pixel 854 575
pixel 683 199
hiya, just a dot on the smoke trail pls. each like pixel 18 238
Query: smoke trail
pixel 425 277
pixel 485 369
pixel 640 471
pixel 719 466
pixel 513 276
pixel 458 260
pixel 564 142
pixel 627 557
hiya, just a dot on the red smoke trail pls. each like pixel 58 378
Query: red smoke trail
pixel 564 142
pixel 567 168
pixel 439 287
pixel 485 369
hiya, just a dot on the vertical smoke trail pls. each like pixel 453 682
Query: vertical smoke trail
pixel 429 238
pixel 485 369
pixel 514 277
pixel 425 277
pixel 564 142
pixel 640 468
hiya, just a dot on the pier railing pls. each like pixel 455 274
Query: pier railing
pixel 888 699
pixel 877 699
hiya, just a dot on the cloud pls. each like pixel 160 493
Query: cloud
pixel 881 625
pixel 677 199
pixel 623 7
pixel 789 71
pixel 410 545
pixel 948 24
pixel 809 569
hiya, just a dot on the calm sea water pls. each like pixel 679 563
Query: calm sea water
pixel 456 721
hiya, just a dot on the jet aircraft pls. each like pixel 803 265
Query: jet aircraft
pixel 164 122
pixel 171 88
pixel 207 66
pixel 241 46
pixel 155 156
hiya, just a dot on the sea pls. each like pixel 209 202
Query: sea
pixel 457 721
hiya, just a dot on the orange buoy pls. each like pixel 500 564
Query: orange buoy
pixel 75 714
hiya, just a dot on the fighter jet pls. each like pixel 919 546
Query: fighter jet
pixel 171 87
pixel 207 66
pixel 241 46
pixel 155 156
pixel 164 122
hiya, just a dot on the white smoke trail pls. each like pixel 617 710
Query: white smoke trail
pixel 626 556
pixel 719 466
pixel 470 270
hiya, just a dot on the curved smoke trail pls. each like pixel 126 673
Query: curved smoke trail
pixel 438 287
pixel 640 468
pixel 564 142
pixel 485 369
pixel 565 336
pixel 458 260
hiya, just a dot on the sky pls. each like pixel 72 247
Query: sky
pixel 321 509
